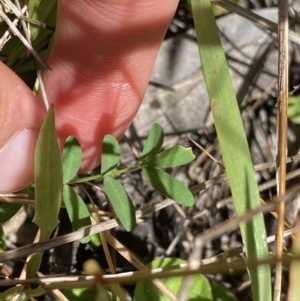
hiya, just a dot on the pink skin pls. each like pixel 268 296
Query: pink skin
pixel 102 57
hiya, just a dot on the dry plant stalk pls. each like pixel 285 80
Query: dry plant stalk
pixel 282 103
pixel 77 235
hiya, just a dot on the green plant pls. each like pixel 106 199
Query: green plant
pixel 294 109
pixel 202 289
pixel 55 175
pixel 233 142
pixel 50 165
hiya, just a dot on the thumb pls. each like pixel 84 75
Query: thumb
pixel 21 116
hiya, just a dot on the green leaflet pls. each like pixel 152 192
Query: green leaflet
pixel 153 143
pixel 121 202
pixel 77 210
pixel 168 186
pixel 71 158
pixel 110 154
pixel 175 156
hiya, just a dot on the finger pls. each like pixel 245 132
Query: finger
pixel 102 57
pixel 21 115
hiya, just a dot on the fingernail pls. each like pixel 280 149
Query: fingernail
pixel 17 161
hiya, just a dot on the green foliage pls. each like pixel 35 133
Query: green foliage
pixel 121 202
pixel 220 293
pixel 151 161
pixel 110 154
pixel 7 295
pixel 71 158
pixel 2 239
pixel 48 167
pixel 44 11
pixel 174 156
pixel 201 289
pixel 48 178
pixel 48 184
pixel 33 265
pixel 8 210
pixel 153 143
pixel 168 186
pixel 14 52
pixel 219 11
pixel 77 210
pixel 294 109
pixel 23 298
pixel 79 294
pixel 95 240
pixel 233 143
pixel 54 173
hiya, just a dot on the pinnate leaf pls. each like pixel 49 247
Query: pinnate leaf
pixel 121 202
pixel 168 186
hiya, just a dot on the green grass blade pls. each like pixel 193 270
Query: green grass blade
pixel 233 143
pixel 43 11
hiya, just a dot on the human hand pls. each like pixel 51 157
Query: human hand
pixel 101 61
